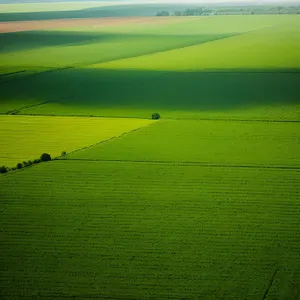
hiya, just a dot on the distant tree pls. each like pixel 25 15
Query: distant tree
pixel 64 153
pixel 19 166
pixel 36 161
pixel 3 170
pixel 25 163
pixel 45 157
pixel 29 163
pixel 163 14
pixel 177 13
pixel 155 116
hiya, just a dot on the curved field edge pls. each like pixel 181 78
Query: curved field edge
pixel 25 138
pixel 100 229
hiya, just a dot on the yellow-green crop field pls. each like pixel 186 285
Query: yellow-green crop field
pixel 25 138
pixel 203 203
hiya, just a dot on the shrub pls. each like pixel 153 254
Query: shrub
pixel 36 161
pixel 19 166
pixel 155 116
pixel 25 163
pixel 29 163
pixel 45 157
pixel 3 170
pixel 64 153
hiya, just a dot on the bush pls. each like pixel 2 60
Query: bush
pixel 36 161
pixel 25 163
pixel 155 116
pixel 19 166
pixel 29 163
pixel 3 170
pixel 64 153
pixel 45 157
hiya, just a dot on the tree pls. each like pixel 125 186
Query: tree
pixel 155 116
pixel 177 13
pixel 45 157
pixel 19 166
pixel 162 14
pixel 3 170
pixel 64 153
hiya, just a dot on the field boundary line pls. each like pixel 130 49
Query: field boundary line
pixel 234 120
pixel 270 284
pixel 179 163
pixel 19 112
pixel 11 73
pixel 108 140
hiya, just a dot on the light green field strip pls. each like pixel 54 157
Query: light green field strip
pixel 208 142
pixel 289 112
pixel 269 48
pixel 85 230
pixel 59 6
pixel 27 137
pixel 192 25
pixel 88 45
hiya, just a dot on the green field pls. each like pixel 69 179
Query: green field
pixel 154 66
pixel 48 6
pixel 25 138
pixel 201 204
pixel 142 230
pixel 225 143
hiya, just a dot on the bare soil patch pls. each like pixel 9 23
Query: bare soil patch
pixel 99 22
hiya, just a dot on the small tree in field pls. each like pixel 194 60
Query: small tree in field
pixel 155 116
pixel 19 166
pixel 64 153
pixel 3 170
pixel 45 157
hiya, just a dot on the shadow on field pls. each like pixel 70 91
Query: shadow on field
pixel 156 90
pixel 96 12
pixel 17 41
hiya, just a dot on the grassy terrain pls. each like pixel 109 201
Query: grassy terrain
pixel 231 95
pixel 48 6
pixel 179 209
pixel 27 137
pixel 229 67
pixel 275 47
pixel 122 230
pixel 98 11
pixel 212 142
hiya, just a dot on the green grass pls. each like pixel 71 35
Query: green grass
pixel 207 142
pixel 234 72
pixel 275 47
pixel 25 138
pixel 182 209
pixel 120 10
pixel 149 231
pixel 214 95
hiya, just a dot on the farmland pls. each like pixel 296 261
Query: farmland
pixel 47 134
pixel 123 230
pixel 96 63
pixel 206 142
pixel 201 204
